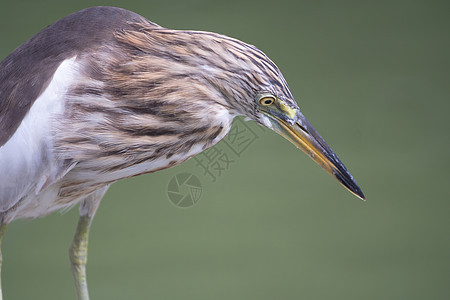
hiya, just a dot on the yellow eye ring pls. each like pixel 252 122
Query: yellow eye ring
pixel 266 101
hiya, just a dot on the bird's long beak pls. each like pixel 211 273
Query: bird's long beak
pixel 303 135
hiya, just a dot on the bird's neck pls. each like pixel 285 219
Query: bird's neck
pixel 119 126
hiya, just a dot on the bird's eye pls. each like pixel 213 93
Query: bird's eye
pixel 267 101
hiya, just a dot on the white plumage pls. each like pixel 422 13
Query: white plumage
pixel 27 165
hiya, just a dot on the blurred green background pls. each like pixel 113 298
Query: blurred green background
pixel 372 76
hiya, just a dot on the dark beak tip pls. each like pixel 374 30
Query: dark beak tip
pixel 350 184
pixel 360 195
pixel 357 191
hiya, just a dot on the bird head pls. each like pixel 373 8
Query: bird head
pixel 284 117
pixel 255 86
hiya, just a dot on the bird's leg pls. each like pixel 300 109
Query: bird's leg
pixel 2 232
pixel 78 256
pixel 79 247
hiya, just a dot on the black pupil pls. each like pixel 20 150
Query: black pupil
pixel 268 101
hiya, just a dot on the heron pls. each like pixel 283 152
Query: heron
pixel 104 94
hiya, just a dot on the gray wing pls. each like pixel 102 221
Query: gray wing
pixel 26 72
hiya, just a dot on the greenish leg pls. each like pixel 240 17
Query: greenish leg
pixel 78 256
pixel 78 249
pixel 2 232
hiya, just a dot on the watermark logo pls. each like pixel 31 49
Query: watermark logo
pixel 184 190
pixel 218 159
